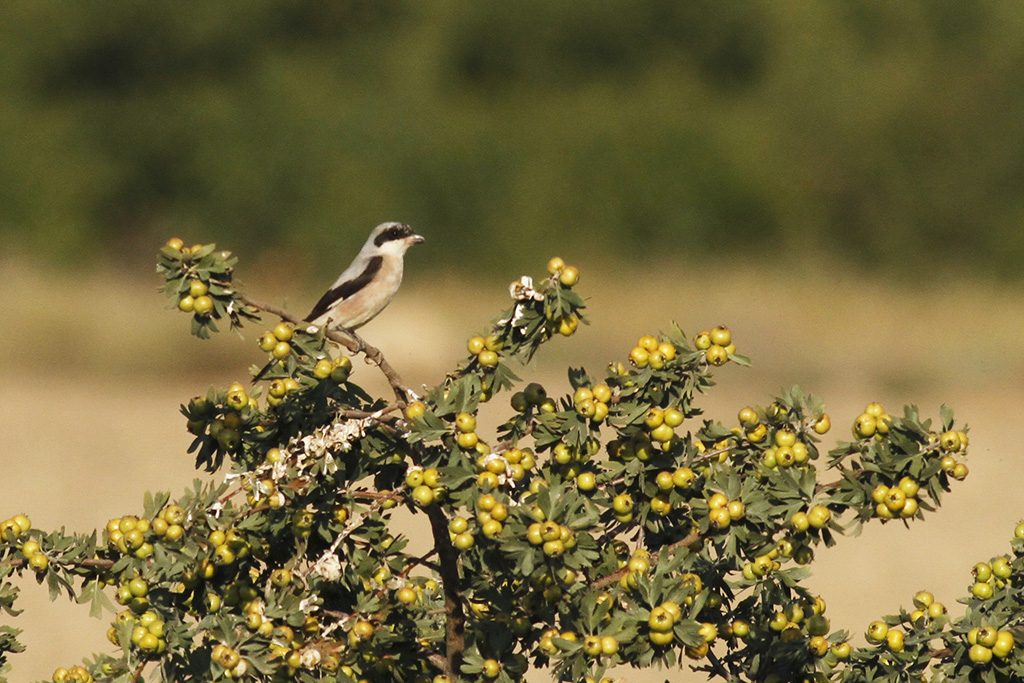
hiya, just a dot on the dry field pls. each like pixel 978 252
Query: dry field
pixel 95 368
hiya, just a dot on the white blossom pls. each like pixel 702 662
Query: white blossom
pixel 522 290
pixel 328 566
pixel 310 657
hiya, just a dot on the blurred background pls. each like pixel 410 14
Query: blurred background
pixel 841 184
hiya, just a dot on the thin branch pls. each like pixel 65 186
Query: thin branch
pixel 690 540
pixel 422 561
pixel 455 623
pixel 439 661
pixel 717 666
pixel 385 495
pixel 377 415
pixel 451 583
pixel 90 563
pixel 138 672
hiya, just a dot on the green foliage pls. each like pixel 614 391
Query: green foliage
pixel 613 525
pixel 199 280
pixel 8 635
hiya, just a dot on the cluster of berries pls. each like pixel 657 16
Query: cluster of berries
pixel 33 553
pixel 147 632
pixel 131 535
pixel 953 443
pixel 896 501
pixel 494 469
pixel 76 674
pixel 662 621
pixel 228 546
pixel 549 587
pixel 567 276
pixel 597 645
pixel 987 641
pixel 230 659
pixel 651 352
pixel 425 485
pixel 661 425
pixel 547 645
pixel 722 511
pixel 817 517
pixel 223 417
pixel 133 593
pixel 989 576
pixel 490 518
pixel 681 478
pixel 806 620
pixel 15 529
pixel 570 460
pixel 592 402
pixel 622 508
pixel 485 349
pixel 490 515
pixel 788 451
pixel 717 345
pixel 534 395
pixel 287 643
pixel 762 565
pixel 277 341
pixel 265 491
pixel 466 436
pixel 786 548
pixel 196 299
pixel 879 633
pixel 926 609
pixel 461 537
pixel 279 389
pixel 337 369
pixel 553 538
pixel 638 564
pixel 874 421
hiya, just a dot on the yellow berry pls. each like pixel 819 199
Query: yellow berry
pixel 569 276
pixel 475 345
pixel 721 336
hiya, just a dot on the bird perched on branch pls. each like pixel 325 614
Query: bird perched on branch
pixel 370 282
pixel 368 285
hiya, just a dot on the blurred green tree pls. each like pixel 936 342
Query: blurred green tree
pixel 888 134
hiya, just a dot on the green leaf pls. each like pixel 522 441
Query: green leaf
pixel 946 414
pixel 741 360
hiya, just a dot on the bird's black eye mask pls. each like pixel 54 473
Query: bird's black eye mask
pixel 395 232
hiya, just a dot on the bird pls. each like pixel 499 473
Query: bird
pixel 371 281
pixel 367 286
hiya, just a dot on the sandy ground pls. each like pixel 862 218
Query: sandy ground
pixel 81 444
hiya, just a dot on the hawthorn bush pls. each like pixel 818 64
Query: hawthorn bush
pixel 611 526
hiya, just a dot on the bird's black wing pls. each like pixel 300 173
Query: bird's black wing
pixel 346 289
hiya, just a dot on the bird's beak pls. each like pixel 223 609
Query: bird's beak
pixel 416 239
